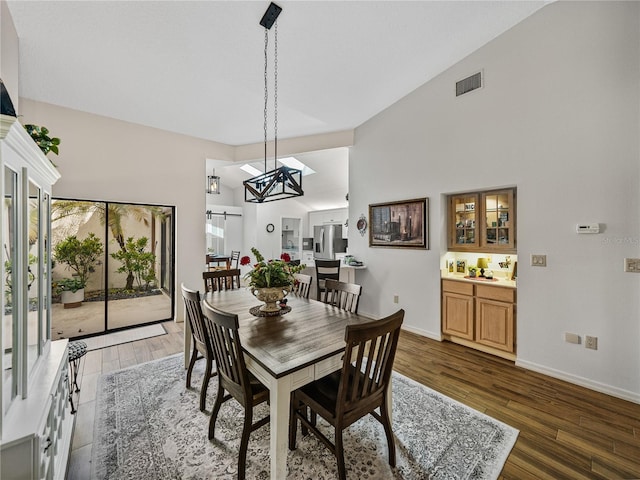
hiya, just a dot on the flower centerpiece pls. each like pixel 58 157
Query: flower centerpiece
pixel 270 281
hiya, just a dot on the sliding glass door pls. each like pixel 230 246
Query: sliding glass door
pixel 113 266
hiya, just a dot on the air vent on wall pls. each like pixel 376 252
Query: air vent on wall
pixel 469 84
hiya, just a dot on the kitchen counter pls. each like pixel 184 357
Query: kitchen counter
pixel 498 281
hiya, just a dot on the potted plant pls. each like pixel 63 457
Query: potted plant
pixel 472 271
pixel 40 135
pixel 71 291
pixel 270 281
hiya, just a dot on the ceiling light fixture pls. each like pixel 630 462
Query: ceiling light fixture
pixel 283 182
pixel 213 183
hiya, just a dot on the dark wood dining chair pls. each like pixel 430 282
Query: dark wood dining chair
pixel 325 269
pixel 221 280
pixel 345 396
pixel 201 341
pixel 342 295
pixel 235 258
pixel 233 377
pixel 302 285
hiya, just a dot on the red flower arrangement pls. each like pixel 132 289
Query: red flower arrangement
pixel 285 257
pixel 245 260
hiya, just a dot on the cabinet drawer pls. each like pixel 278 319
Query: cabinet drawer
pixel 501 294
pixel 457 287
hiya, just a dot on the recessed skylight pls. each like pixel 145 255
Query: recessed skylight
pixel 253 171
pixel 293 162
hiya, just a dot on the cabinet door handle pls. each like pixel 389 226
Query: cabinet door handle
pixel 49 442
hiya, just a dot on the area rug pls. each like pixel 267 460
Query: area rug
pixel 149 426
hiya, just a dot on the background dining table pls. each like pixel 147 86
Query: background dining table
pixel 286 352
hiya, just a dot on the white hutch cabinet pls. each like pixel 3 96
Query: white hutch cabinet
pixel 35 416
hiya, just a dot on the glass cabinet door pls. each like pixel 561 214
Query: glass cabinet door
pixel 464 212
pixel 10 313
pixel 499 210
pixel 34 313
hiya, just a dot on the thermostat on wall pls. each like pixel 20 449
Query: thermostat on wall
pixel 588 228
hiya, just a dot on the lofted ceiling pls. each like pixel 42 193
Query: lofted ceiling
pixel 196 67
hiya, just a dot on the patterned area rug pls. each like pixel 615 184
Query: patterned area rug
pixel 149 426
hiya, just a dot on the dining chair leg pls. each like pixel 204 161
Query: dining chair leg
pixel 214 413
pixel 205 385
pixel 244 442
pixel 294 411
pixel 339 451
pixel 192 362
pixel 386 423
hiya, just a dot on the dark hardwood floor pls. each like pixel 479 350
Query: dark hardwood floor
pixel 566 431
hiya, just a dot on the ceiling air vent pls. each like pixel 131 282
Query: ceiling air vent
pixel 469 84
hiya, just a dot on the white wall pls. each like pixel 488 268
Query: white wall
pixel 559 118
pixel 106 159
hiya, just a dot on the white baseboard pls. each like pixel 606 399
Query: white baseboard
pixel 583 382
pixel 423 333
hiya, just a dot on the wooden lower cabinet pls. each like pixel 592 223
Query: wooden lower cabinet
pixel 479 316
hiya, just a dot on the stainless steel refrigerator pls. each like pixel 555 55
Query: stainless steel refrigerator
pixel 327 241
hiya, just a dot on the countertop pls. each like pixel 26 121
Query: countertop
pixel 499 281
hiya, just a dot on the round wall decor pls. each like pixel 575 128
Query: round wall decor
pixel 270 227
pixel 362 225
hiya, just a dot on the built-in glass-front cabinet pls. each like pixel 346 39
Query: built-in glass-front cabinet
pixel 483 221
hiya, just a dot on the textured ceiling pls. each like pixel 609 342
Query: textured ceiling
pixel 196 67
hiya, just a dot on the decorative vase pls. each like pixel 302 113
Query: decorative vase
pixel 270 296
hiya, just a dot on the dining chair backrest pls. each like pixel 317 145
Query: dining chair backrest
pixel 372 349
pixel 232 370
pixel 235 258
pixel 221 280
pixel 342 295
pixel 302 285
pixel 194 317
pixel 326 269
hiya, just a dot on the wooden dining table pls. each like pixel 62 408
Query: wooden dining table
pixel 286 352
pixel 218 259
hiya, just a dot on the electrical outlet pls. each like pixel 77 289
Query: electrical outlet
pixel 538 260
pixel 632 265
pixel 591 342
pixel 396 298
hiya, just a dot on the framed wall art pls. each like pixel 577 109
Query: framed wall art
pixel 402 224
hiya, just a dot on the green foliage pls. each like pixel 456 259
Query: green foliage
pixel 274 273
pixel 80 256
pixel 40 135
pixel 68 285
pixel 136 262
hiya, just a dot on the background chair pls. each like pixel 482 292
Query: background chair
pixel 344 397
pixel 235 257
pixel 201 341
pixel 326 269
pixel 233 377
pixel 342 295
pixel 221 280
pixel 302 285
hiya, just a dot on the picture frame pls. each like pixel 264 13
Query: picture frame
pixel 401 224
pixel 514 274
pixel 461 266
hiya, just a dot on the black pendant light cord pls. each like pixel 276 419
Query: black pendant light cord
pixel 266 96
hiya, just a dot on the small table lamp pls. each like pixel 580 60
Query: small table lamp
pixel 482 264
